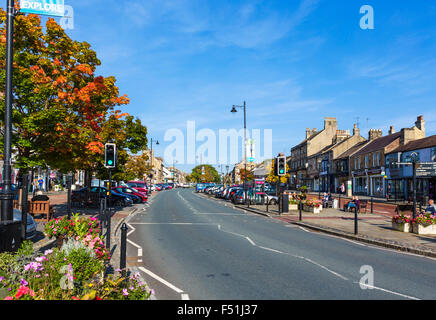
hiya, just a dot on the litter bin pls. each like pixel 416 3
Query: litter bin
pixel 285 203
pixel 10 236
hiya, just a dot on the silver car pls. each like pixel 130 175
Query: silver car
pixel 31 224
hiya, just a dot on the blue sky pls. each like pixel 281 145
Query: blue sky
pixel 294 62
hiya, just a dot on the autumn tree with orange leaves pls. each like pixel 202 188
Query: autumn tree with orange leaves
pixel 61 107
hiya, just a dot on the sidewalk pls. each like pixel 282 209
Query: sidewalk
pixel 372 228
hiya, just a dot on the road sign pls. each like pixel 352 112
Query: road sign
pixel 43 7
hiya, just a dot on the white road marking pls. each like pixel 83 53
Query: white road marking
pixel 155 276
pixel 388 291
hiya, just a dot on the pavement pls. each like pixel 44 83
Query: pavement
pixel 373 228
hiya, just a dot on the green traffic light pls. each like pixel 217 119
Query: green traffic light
pixel 110 162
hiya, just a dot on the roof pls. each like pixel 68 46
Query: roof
pixel 417 144
pixel 379 143
pixel 352 150
pixel 308 139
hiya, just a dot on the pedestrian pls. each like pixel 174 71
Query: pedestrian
pixel 431 207
pixel 40 196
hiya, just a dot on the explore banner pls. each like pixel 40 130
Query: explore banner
pixel 43 7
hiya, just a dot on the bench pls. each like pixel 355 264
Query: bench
pixel 404 207
pixel 37 208
pixel 363 205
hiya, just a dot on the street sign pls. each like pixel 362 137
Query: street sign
pixel 43 7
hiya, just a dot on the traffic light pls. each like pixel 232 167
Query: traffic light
pixel 281 166
pixel 110 155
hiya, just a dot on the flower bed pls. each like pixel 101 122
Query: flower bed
pixel 402 223
pixel 313 206
pixel 425 223
pixel 76 270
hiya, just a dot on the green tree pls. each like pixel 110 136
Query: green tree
pixel 210 174
pixel 60 104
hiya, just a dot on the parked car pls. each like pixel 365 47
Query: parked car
pixel 31 224
pixel 140 186
pixel 115 199
pixel 136 199
pixel 131 191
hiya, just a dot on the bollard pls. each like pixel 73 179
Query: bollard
pixel 123 249
pixel 355 221
pixel 108 230
pixel 339 203
pixel 101 216
pixel 300 207
pixel 267 205
pixel 372 204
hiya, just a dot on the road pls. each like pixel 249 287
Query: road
pixel 196 248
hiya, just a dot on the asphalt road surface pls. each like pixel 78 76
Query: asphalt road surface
pixel 196 248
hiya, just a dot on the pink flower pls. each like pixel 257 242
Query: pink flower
pixel 9 298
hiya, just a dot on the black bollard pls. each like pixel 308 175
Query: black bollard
pixel 108 229
pixel 300 207
pixel 356 231
pixel 372 204
pixel 123 248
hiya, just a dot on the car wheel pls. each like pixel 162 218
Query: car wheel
pixel 273 202
pixel 119 203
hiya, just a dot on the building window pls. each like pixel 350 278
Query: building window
pixel 366 161
pixel 358 163
pixel 374 158
pixel 378 159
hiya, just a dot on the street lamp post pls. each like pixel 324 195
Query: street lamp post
pixel 414 157
pixel 152 168
pixel 6 195
pixel 245 146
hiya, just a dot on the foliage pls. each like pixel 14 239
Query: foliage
pixel 272 178
pixel 129 135
pixel 313 203
pixel 57 227
pixel 60 104
pixel 210 174
pixel 250 175
pixel 137 167
pixel 62 275
pixel 425 219
pixel 402 219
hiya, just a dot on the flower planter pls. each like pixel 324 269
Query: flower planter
pixel 420 229
pixel 293 207
pixel 312 209
pixel 403 227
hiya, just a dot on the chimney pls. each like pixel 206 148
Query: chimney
pixel 356 130
pixel 330 123
pixel 374 134
pixel 391 130
pixel 307 133
pixel 420 123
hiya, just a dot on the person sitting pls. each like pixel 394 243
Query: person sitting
pixel 40 196
pixel 351 205
pixel 431 207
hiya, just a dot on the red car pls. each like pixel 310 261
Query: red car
pixel 128 190
pixel 140 186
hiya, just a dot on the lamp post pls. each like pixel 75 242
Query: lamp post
pixel 245 145
pixel 7 195
pixel 414 158
pixel 152 168
pixel 227 175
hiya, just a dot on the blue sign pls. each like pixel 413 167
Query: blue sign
pixel 44 7
pixel 250 159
